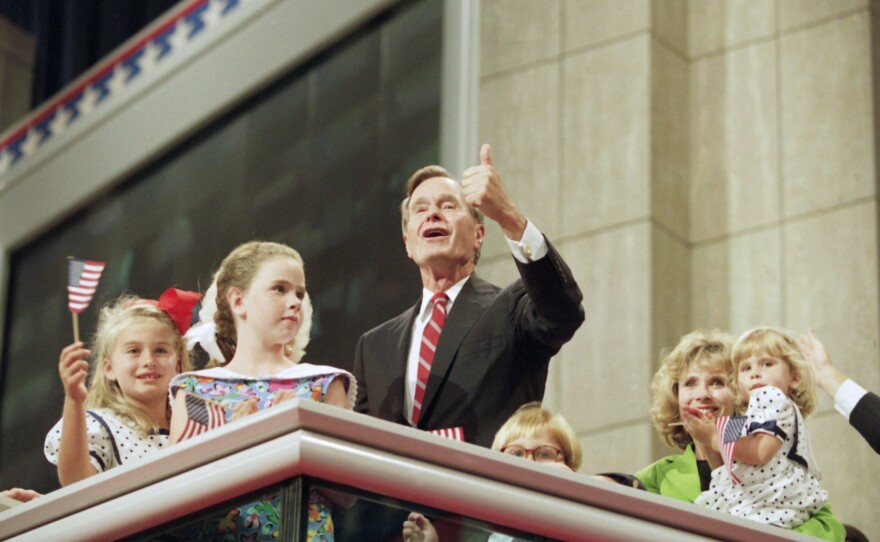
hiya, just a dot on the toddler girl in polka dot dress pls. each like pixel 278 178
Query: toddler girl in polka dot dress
pixel 773 477
pixel 124 414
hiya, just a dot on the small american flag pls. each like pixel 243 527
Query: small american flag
pixel 201 415
pixel 729 429
pixel 455 433
pixel 82 281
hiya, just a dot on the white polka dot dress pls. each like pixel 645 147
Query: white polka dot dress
pixel 785 491
pixel 112 441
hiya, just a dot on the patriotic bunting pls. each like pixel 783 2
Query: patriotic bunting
pixel 177 31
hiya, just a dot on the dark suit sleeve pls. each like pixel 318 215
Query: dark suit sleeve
pixel 865 417
pixel 360 404
pixel 552 312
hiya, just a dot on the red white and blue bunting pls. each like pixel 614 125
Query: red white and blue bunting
pixel 112 76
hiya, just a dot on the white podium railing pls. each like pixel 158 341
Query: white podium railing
pixel 353 450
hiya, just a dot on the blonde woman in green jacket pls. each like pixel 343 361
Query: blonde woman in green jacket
pixel 698 374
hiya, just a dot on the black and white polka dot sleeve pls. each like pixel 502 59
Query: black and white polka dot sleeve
pixel 770 412
pixel 100 444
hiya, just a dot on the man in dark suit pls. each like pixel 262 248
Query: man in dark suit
pixel 494 349
pixel 861 407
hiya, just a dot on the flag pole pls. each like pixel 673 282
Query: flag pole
pixel 73 316
pixel 75 327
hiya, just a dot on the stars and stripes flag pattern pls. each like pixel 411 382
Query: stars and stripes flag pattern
pixel 82 281
pixel 729 429
pixel 201 415
pixel 455 433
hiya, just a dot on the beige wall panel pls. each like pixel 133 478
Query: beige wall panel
pixel 494 245
pixel 517 32
pixel 755 280
pixel 827 115
pixel 670 296
pixel 620 449
pixel 710 285
pixel 831 285
pixel 669 139
pixel 736 283
pixel 605 136
pixel 500 270
pixel 669 22
pixel 609 357
pixel 714 25
pixel 588 22
pixel 793 13
pixel 519 117
pixel 734 142
pixel 849 470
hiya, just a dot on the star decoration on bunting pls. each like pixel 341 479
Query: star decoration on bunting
pixel 117 81
pixel 31 142
pixel 60 121
pixel 213 14
pixel 150 56
pixel 89 99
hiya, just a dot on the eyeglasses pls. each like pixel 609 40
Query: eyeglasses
pixel 541 454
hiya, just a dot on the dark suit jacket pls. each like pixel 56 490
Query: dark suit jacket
pixel 865 417
pixel 492 356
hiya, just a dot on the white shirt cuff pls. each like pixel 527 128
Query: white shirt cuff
pixel 848 394
pixel 531 247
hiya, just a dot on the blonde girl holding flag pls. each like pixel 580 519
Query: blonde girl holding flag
pixel 124 413
pixel 770 474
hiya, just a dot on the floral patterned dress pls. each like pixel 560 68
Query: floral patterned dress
pixel 260 520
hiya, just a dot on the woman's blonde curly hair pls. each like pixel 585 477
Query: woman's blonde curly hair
pixel 704 349
pixel 780 344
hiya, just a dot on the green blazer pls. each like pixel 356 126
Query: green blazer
pixel 676 476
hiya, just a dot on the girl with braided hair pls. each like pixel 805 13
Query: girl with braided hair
pixel 261 317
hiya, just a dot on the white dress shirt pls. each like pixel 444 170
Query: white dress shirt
pixel 848 395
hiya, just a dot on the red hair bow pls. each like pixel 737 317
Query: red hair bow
pixel 178 305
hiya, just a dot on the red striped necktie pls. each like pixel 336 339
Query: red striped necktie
pixel 426 351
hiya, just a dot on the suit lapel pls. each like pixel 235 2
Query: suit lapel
pixel 398 366
pixel 467 308
pixel 394 375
